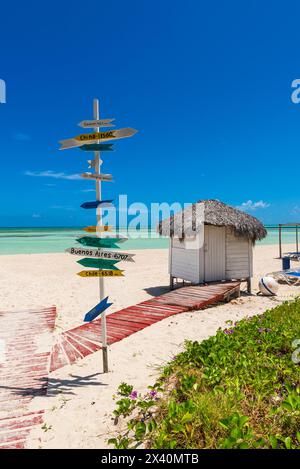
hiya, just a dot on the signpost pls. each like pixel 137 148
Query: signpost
pixel 101 177
pixel 97 147
pixel 98 263
pixel 101 254
pixel 96 137
pixel 97 203
pixel 101 273
pixel 99 242
pixel 97 123
pixel 98 229
pixel 118 238
pixel 97 310
pixel 101 259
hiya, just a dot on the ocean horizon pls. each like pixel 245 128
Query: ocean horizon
pixel 37 240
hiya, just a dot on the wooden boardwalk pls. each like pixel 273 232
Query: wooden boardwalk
pixel 86 339
pixel 23 372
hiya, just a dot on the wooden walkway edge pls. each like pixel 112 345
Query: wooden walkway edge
pixel 83 340
pixel 24 369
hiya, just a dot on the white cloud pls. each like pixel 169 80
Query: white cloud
pixel 295 210
pixel 62 207
pixel 36 215
pixel 88 190
pixel 52 174
pixel 21 137
pixel 251 206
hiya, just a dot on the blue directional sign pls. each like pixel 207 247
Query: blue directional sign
pixel 97 310
pixel 97 147
pixel 96 203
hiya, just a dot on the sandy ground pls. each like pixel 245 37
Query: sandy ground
pixel 80 401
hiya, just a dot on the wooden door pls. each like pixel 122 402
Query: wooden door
pixel 214 253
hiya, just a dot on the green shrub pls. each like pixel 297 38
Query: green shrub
pixel 237 389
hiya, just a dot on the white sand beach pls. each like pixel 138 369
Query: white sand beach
pixel 80 401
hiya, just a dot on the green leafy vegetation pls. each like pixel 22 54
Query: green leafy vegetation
pixel 237 389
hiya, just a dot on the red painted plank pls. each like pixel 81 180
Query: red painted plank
pixel 18 444
pixel 137 318
pixel 70 350
pixel 23 423
pixel 58 358
pixel 24 374
pixel 123 323
pixel 81 340
pixel 83 348
pixel 150 312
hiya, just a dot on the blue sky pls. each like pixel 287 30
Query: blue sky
pixel 207 84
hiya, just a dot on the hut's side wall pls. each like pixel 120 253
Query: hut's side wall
pixel 238 256
pixel 184 259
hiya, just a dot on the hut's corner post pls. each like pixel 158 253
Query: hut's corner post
pixel 171 282
pixel 249 285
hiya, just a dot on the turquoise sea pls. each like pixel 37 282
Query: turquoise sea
pixel 44 240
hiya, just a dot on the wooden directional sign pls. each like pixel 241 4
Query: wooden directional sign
pixel 101 273
pixel 95 136
pixel 96 123
pixel 99 177
pixel 98 229
pixel 105 264
pixel 97 203
pixel 117 238
pixel 97 147
pixel 97 310
pixel 101 254
pixel 100 242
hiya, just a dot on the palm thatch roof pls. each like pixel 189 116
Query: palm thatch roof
pixel 211 212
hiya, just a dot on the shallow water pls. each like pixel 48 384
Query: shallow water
pixel 45 240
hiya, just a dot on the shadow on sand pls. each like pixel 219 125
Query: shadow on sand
pixel 157 291
pixel 54 386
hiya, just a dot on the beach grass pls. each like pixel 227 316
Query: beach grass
pixel 238 389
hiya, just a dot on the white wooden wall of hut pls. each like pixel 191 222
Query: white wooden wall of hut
pixel 218 254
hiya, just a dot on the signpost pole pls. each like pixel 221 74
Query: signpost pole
pixel 98 163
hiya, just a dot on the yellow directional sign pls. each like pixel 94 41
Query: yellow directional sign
pixel 96 137
pixel 95 229
pixel 101 273
pixel 108 134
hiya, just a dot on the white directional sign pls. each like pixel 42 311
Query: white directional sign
pixel 101 254
pixel 99 177
pixel 96 123
pixel 94 137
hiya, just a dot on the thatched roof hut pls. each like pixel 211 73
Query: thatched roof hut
pixel 212 212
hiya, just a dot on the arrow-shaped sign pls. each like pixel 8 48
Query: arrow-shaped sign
pixel 101 254
pixel 119 238
pixel 110 242
pixel 94 137
pixel 101 273
pixel 105 264
pixel 100 177
pixel 96 123
pixel 97 229
pixel 97 147
pixel 96 203
pixel 97 310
